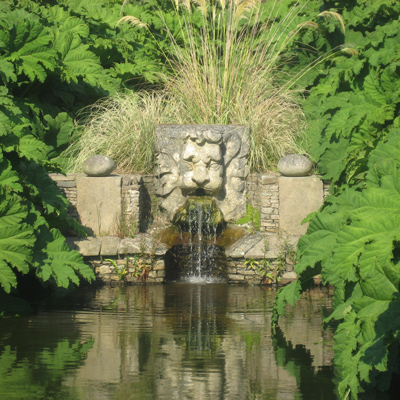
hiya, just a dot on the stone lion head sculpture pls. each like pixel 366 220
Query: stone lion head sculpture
pixel 202 160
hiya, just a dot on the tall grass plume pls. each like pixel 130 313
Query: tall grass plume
pixel 226 67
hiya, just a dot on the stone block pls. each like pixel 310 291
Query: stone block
pixel 89 246
pixel 129 246
pixel 267 210
pixel 290 275
pixel 182 154
pixel 268 179
pixel 161 249
pixel 235 277
pixel 160 273
pixel 243 245
pixel 159 266
pixel 299 196
pixel 253 281
pixel 99 203
pixel 109 245
pixel 258 250
pixel 66 184
pixel 103 270
pixel 249 272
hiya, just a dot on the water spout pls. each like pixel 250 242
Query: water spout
pixel 198 256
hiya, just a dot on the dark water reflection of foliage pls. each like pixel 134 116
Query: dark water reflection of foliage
pixel 33 364
pixel 160 342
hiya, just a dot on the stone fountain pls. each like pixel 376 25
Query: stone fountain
pixel 202 160
pixel 201 185
pixel 201 188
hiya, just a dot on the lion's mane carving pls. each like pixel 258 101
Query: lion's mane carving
pixel 206 160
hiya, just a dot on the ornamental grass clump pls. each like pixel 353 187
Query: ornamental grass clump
pixel 227 69
pixel 121 127
pixel 227 65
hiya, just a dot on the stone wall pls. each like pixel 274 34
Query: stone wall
pixel 283 203
pixel 269 192
pixel 138 260
pixel 134 194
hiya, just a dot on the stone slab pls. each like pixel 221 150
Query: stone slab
pixel 243 245
pixel 99 202
pixel 109 245
pixel 66 184
pixel 129 246
pixel 89 246
pixel 161 249
pixel 269 179
pixel 298 197
pixel 258 250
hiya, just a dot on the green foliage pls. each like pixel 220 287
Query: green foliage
pixel 354 99
pixel 50 55
pixel 120 271
pixel 354 241
pixel 18 374
pixel 252 217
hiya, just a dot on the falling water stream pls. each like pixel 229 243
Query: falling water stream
pixel 197 255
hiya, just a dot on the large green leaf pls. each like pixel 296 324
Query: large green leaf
pixel 61 263
pixel 30 50
pixel 9 179
pixel 16 239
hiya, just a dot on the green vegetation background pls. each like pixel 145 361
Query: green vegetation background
pixel 353 241
pixel 57 57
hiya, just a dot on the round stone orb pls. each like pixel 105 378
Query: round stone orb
pixel 295 165
pixel 98 166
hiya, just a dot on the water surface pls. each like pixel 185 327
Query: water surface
pixel 173 341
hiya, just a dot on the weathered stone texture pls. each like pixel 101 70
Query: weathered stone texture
pixel 253 192
pixel 99 203
pixel 298 197
pixel 195 160
pixel 269 190
pixel 294 165
pixel 98 165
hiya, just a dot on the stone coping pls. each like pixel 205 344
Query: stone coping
pixel 115 246
pixel 253 245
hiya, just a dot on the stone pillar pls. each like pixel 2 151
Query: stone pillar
pixel 298 197
pixel 99 202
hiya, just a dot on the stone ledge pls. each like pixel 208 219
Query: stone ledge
pixel 269 179
pixel 253 246
pixel 114 246
pixel 89 246
pixel 243 245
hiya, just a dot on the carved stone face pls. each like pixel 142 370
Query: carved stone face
pixel 202 160
pixel 201 168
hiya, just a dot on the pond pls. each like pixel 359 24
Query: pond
pixel 172 341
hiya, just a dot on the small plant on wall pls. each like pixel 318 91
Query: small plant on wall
pixel 271 272
pixel 251 219
pixel 122 271
pixel 141 268
pixel 125 225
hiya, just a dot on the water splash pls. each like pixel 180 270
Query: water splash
pixel 198 256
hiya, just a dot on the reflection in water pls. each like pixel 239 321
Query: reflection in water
pixel 176 341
